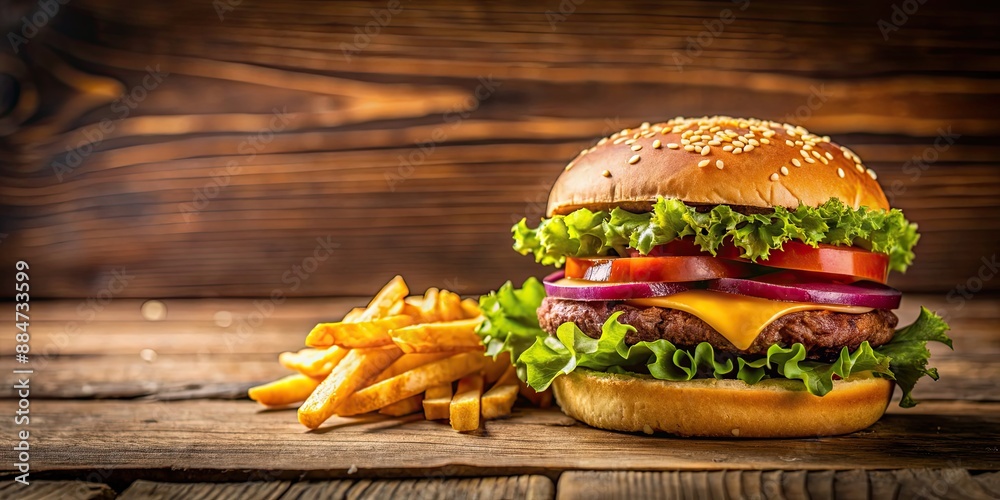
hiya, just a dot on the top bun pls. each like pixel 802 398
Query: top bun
pixel 716 160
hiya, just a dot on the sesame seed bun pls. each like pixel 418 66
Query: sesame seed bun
pixel 742 161
pixel 772 408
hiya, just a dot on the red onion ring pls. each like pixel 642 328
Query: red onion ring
pixel 864 294
pixel 609 291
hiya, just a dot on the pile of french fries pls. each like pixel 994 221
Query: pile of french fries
pixel 398 356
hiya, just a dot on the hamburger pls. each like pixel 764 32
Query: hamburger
pixel 720 277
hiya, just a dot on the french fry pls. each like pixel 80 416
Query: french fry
pixel 402 407
pixel 540 399
pixel 429 309
pixel 316 363
pixel 496 367
pixel 408 362
pixel 352 372
pixel 411 383
pixel 449 306
pixel 498 401
pixel 435 337
pixel 353 315
pixel 390 297
pixel 471 308
pixel 365 334
pixel 464 409
pixel 437 402
pixel 285 391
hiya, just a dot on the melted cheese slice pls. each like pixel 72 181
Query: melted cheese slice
pixel 739 318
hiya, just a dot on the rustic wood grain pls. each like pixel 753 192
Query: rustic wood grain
pixel 484 488
pixel 790 485
pixel 56 490
pixel 230 440
pixel 561 84
pixel 257 490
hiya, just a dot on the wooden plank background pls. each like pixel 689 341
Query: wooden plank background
pixel 413 149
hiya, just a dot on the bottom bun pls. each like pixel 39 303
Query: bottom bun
pixel 771 408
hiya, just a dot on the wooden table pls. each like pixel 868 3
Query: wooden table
pixel 140 401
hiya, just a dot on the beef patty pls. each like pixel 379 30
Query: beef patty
pixel 823 333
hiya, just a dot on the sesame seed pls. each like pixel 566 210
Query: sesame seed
pixel 602 141
pixel 737 151
pixel 705 150
pixel 790 143
pixel 644 125
pixel 706 137
pixel 810 160
pixel 636 147
pixel 739 144
pixel 727 148
pixel 619 140
pixel 625 131
pixel 633 160
pixel 685 141
pixel 796 162
pixel 816 154
pixel 799 143
pixel 824 160
pixel 703 163
pixel 871 173
pixel 828 155
pixel 569 167
pixel 748 148
pixel 719 164
pixel 860 168
pixel 774 177
pixel 840 172
pixel 754 142
pixel 689 148
pixel 784 170
pixel 673 145
pixel 807 147
pixel 630 141
pixel 765 141
pixel 768 133
pixel 803 153
pixel 606 173
pixel 656 144
pixel 715 142
pixel 826 138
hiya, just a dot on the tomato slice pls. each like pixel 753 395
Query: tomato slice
pixel 838 263
pixel 669 268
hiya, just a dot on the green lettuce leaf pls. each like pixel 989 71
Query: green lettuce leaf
pixel 512 325
pixel 583 233
pixel 909 355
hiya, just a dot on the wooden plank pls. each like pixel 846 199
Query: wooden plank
pixel 333 168
pixel 56 490
pixel 226 440
pixel 483 488
pixel 790 485
pixel 255 490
